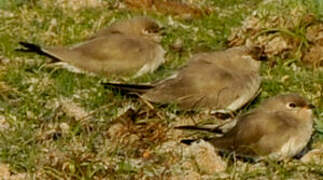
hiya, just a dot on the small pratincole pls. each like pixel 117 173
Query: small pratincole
pixel 126 48
pixel 220 80
pixel 279 128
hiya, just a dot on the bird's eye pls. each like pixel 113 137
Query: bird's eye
pixel 292 105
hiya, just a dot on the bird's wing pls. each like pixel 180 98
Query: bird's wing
pixel 202 84
pixel 114 53
pixel 104 32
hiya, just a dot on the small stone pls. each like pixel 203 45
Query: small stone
pixel 53 22
pixel 4 171
pixel 4 60
pixel 146 154
pixel 313 156
pixel 116 129
pixel 314 55
pixel 206 158
pixel 73 110
pixel 3 123
pixel 64 127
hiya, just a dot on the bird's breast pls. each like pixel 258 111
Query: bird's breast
pixel 296 143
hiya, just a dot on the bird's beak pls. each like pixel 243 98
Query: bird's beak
pixel 310 106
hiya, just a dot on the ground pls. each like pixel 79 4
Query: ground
pixel 56 124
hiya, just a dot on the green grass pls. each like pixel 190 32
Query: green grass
pixel 34 96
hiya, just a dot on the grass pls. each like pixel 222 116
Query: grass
pixel 63 125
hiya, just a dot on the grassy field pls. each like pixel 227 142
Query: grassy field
pixel 56 124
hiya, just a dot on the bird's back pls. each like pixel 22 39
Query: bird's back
pixel 111 54
pixel 261 133
pixel 209 81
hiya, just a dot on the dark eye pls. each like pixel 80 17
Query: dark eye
pixel 292 105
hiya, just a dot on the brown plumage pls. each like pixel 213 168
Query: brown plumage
pixel 210 81
pixel 279 128
pixel 125 48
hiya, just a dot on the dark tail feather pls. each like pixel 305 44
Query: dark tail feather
pixel 188 141
pixel 140 88
pixel 31 48
pixel 213 130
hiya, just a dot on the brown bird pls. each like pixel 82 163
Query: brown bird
pixel 125 48
pixel 278 129
pixel 220 80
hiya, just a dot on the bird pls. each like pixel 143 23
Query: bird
pixel 278 129
pixel 128 48
pixel 223 80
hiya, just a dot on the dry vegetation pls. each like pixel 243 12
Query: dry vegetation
pixel 296 36
pixel 56 124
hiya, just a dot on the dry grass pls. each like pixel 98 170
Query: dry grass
pixel 288 30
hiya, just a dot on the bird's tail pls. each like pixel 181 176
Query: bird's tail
pixel 216 130
pixel 190 141
pixel 29 47
pixel 138 88
pixel 208 129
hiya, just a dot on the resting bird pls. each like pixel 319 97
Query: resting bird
pixel 278 129
pixel 220 80
pixel 126 48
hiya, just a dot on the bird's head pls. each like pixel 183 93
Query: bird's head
pixel 294 104
pixel 138 26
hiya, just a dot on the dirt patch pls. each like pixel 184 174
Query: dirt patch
pixel 314 55
pixel 293 33
pixel 6 174
pixel 206 158
pixel 73 109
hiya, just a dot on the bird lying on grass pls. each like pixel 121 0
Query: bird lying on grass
pixel 220 80
pixel 126 48
pixel 278 129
